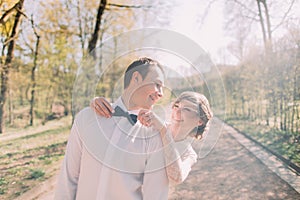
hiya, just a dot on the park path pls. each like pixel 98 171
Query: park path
pixel 237 168
pixel 53 124
pixel 230 167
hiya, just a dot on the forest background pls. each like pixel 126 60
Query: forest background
pixel 43 42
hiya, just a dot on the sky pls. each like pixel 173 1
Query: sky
pixel 184 17
pixel 208 34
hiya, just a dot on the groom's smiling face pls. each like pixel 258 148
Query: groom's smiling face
pixel 150 89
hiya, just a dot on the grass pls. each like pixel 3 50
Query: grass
pixel 29 160
pixel 36 174
pixel 281 142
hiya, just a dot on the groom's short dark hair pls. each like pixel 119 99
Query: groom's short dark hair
pixel 141 65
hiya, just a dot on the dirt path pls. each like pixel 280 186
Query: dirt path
pixel 233 169
pixel 10 135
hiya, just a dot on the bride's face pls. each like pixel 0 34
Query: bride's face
pixel 184 118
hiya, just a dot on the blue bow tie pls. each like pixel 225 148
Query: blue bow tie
pixel 119 112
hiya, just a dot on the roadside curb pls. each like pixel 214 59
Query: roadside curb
pixel 271 161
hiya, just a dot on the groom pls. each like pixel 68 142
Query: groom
pixel 103 160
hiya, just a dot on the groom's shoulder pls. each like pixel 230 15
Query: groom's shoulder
pixel 85 111
pixel 86 114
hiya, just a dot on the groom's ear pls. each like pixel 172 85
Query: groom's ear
pixel 136 79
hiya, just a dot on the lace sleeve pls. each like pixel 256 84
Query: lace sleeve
pixel 178 164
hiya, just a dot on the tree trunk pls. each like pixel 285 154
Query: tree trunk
pixel 10 108
pixel 281 112
pixel 284 117
pixel 267 34
pixel 80 26
pixel 261 20
pixel 33 81
pixel 7 64
pixel 267 115
pixel 94 39
pixel 269 40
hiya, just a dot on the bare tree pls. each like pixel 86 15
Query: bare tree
pixel 257 12
pixel 101 8
pixel 267 35
pixel 95 35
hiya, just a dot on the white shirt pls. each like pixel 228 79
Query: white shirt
pixel 109 159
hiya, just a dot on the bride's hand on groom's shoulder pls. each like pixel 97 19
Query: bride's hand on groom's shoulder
pixel 102 107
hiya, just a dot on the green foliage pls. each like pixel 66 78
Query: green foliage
pixel 3 181
pixel 64 29
pixel 281 142
pixel 8 21
pixel 36 173
pixel 262 98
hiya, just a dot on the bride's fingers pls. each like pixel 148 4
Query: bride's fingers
pixel 145 120
pixel 103 107
pixel 143 114
pixel 147 117
pixel 101 110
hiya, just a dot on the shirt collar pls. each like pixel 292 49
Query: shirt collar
pixel 119 102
